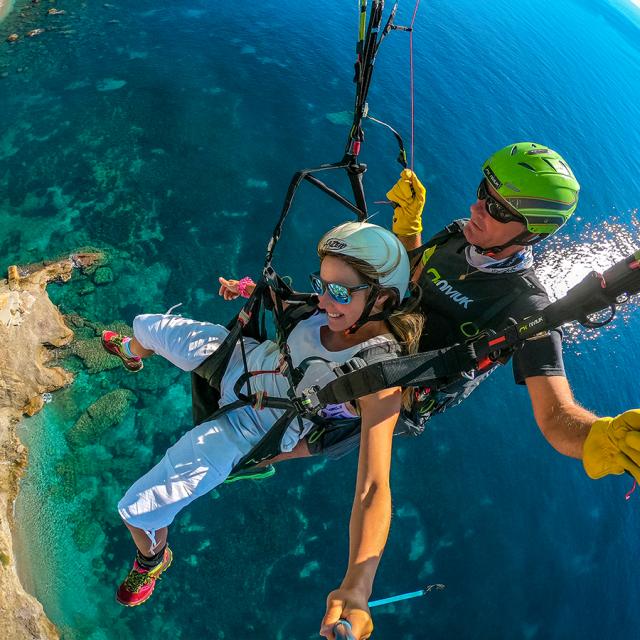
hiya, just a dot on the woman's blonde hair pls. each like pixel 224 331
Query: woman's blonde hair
pixel 405 323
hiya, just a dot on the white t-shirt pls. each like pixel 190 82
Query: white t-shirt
pixel 304 342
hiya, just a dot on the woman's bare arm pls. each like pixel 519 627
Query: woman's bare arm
pixel 370 514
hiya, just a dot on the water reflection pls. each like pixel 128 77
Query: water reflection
pixel 563 261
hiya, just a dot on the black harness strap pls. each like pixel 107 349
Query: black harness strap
pixel 269 445
pixel 435 241
pixel 360 378
pixel 206 378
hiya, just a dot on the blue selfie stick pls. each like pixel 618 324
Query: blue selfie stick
pixel 406 596
pixel 342 628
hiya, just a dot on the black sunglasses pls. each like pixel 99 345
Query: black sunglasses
pixel 496 209
pixel 340 293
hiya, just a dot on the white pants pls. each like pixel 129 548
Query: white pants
pixel 203 457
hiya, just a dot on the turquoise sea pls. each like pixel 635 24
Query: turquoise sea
pixel 165 134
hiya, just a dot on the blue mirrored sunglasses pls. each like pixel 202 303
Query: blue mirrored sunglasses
pixel 340 293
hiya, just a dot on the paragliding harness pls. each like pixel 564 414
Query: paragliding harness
pixel 271 292
pixel 596 293
pixel 370 372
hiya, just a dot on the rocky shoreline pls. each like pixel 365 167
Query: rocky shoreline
pixel 5 8
pixel 31 326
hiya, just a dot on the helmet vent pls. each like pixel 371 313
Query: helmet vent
pixel 514 150
pixel 563 169
pixel 527 166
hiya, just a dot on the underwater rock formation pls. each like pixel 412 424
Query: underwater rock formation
pixel 103 414
pixel 30 327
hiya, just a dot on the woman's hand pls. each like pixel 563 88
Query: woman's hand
pixel 230 289
pixel 351 605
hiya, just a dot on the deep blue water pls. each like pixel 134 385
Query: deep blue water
pixel 166 135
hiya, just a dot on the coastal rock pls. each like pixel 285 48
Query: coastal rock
pixel 30 327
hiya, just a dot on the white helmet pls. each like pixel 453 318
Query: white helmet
pixel 374 245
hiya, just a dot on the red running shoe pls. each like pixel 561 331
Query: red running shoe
pixel 139 584
pixel 113 342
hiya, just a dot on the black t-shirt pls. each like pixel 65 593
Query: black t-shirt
pixel 459 301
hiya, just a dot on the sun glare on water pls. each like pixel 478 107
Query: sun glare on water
pixel 561 264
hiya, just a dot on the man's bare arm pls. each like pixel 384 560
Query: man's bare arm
pixel 563 422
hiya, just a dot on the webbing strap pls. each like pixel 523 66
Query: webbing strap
pixel 269 445
pixel 408 371
pixel 213 368
pixel 435 241
pixel 380 352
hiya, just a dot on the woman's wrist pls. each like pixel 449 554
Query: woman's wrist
pixel 357 583
pixel 246 286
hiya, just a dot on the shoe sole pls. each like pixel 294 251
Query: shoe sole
pixel 137 604
pixel 258 475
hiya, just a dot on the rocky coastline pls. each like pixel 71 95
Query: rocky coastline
pixel 31 328
pixel 5 8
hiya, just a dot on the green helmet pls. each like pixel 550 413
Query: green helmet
pixel 537 183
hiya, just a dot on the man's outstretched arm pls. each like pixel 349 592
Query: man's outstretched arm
pixel 605 445
pixel 563 422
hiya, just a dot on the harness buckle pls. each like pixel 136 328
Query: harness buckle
pixel 307 401
pixel 353 364
pixel 283 366
pixel 270 276
pixel 244 317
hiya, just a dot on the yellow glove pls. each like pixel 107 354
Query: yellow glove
pixel 613 446
pixel 408 196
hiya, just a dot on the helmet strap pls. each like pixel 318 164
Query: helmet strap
pixel 366 313
pixel 524 239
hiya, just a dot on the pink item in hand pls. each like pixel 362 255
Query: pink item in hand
pixel 243 284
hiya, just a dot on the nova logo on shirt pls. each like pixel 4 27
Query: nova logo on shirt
pixel 448 290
